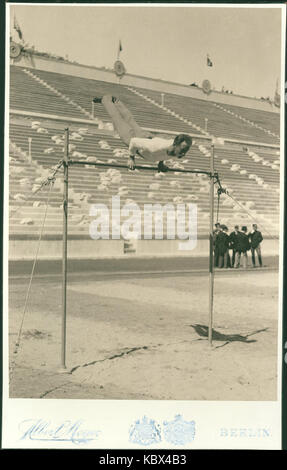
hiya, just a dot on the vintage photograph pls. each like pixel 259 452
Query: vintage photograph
pixel 145 197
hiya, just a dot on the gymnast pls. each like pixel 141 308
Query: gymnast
pixel 140 142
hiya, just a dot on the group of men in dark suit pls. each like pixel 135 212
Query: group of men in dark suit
pixel 240 242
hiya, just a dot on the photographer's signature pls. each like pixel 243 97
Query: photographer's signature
pixel 66 431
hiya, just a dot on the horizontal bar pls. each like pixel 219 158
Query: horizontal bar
pixel 139 167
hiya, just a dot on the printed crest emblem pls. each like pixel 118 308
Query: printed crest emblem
pixel 178 431
pixel 145 432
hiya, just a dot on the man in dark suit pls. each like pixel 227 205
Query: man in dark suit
pixel 243 247
pixel 215 247
pixel 255 238
pixel 233 243
pixel 222 245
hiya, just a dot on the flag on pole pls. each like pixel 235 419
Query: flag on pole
pixel 17 28
pixel 209 62
pixel 120 48
pixel 277 96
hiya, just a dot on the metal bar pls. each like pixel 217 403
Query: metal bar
pixel 211 263
pixel 64 259
pixel 139 167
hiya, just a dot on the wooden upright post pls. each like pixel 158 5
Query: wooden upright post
pixel 63 367
pixel 211 262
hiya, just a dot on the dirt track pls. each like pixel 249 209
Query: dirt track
pixel 145 338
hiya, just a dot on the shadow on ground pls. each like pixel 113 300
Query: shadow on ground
pixel 202 330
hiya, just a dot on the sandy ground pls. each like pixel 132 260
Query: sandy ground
pixel 145 338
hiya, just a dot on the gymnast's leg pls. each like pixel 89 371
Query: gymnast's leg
pixel 122 119
pixel 129 119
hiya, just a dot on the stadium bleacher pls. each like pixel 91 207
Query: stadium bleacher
pixel 82 90
pixel 219 123
pixel 248 172
pixel 267 120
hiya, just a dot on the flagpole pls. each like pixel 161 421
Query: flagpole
pixel 119 49
pixel 118 58
pixel 211 240
pixel 17 28
pixel 63 367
